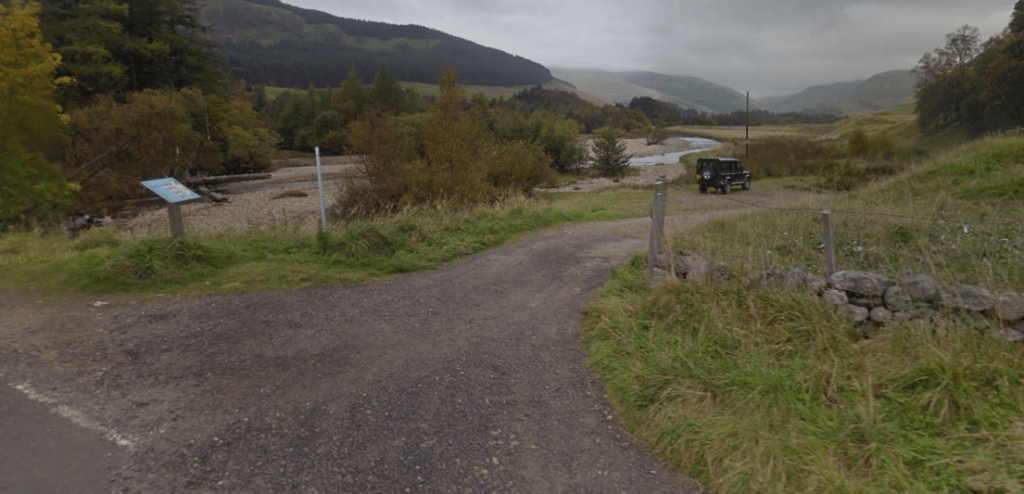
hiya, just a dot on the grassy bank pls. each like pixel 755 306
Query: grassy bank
pixel 772 391
pixel 106 261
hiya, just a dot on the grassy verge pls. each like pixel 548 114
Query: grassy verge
pixel 772 391
pixel 106 261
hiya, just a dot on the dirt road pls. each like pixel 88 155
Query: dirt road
pixel 464 379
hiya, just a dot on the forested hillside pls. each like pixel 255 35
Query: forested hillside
pixel 269 42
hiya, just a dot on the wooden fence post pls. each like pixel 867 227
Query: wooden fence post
pixel 830 244
pixel 657 225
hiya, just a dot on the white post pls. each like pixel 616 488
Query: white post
pixel 320 181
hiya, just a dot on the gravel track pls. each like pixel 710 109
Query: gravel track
pixel 464 379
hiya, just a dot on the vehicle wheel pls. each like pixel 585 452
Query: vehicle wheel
pixel 726 187
pixel 703 189
pixel 746 183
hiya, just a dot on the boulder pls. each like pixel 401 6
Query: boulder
pixel 1010 307
pixel 795 279
pixel 856 313
pixel 767 279
pixel 816 284
pixel 863 284
pixel 709 272
pixel 966 297
pixel 897 299
pixel 880 315
pixel 921 288
pixel 1013 335
pixel 835 297
pixel 688 262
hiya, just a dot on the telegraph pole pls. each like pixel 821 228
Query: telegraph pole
pixel 746 156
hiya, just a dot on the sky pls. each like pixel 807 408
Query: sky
pixel 767 48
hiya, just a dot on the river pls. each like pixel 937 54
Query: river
pixel 699 144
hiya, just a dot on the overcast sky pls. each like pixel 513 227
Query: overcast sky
pixel 767 48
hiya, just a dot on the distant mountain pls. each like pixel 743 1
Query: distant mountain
pixel 685 91
pixel 881 91
pixel 267 41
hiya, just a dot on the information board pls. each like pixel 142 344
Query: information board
pixel 171 190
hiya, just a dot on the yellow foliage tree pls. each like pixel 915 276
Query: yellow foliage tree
pixel 32 186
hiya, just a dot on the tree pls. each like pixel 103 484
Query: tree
pixel 385 93
pixel 610 158
pixel 351 98
pixel 1017 21
pixel 944 78
pixel 119 46
pixel 32 186
pixel 85 32
pixel 452 142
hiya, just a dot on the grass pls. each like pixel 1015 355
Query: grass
pixel 105 261
pixel 773 391
pixel 738 133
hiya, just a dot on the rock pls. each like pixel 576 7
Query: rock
pixel 1010 306
pixel 688 263
pixel 880 315
pixel 856 313
pixel 897 299
pixel 1019 327
pixel 716 272
pixel 864 284
pixel 1013 335
pixel 965 297
pixel 920 288
pixel 795 279
pixel 816 284
pixel 664 261
pixel 767 279
pixel 835 297
pixel 867 302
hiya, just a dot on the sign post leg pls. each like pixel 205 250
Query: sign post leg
pixel 177 224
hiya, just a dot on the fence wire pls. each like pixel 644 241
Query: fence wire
pixel 895 243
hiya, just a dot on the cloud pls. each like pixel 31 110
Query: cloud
pixel 768 48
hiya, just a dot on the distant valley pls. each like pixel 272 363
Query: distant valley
pixel 885 90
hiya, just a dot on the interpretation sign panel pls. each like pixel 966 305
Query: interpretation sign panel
pixel 171 190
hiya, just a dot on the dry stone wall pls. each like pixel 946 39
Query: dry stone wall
pixel 868 297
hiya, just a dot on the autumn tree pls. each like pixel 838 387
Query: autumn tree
pixel 32 186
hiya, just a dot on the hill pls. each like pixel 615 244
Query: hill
pixel 685 91
pixel 879 92
pixel 270 42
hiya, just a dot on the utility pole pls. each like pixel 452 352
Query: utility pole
pixel 746 156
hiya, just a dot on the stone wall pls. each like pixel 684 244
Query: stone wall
pixel 870 297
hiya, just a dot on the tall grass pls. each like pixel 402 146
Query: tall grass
pixel 773 391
